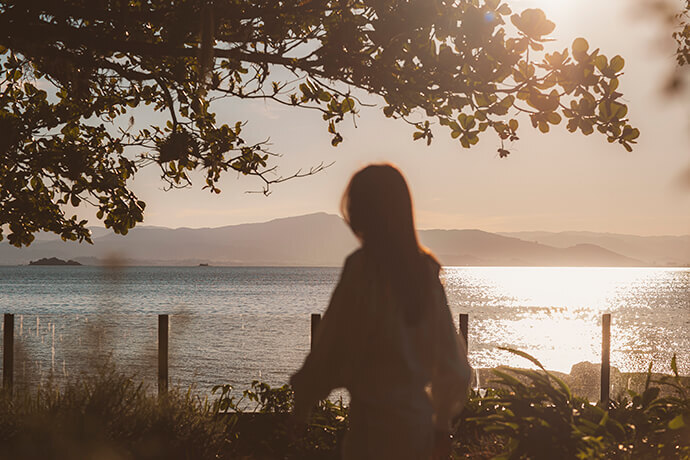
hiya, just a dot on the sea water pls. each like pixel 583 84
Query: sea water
pixel 238 324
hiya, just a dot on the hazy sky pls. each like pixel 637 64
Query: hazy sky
pixel 553 182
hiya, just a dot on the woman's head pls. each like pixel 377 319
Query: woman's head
pixel 378 208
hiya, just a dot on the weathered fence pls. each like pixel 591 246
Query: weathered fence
pixel 8 352
pixel 164 329
pixel 464 322
pixel 605 358
pixel 163 332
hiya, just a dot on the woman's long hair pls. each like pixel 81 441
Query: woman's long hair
pixel 378 208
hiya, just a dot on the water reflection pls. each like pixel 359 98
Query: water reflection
pixel 554 313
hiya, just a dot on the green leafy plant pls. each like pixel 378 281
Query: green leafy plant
pixel 532 414
pixel 657 425
pixel 263 426
pixel 538 417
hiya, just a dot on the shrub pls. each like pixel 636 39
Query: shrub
pixel 108 416
pixel 533 414
pixel 656 426
pixel 263 427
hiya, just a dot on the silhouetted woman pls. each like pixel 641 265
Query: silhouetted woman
pixel 387 335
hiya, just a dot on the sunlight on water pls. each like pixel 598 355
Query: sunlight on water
pixel 555 314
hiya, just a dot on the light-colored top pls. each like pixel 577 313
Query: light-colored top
pixel 403 379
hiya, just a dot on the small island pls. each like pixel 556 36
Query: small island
pixel 53 261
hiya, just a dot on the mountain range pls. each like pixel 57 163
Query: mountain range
pixel 325 240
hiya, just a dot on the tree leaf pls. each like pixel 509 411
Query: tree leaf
pixel 347 105
pixel 677 423
pixel 617 63
pixel 580 47
pixel 533 23
pixel 601 62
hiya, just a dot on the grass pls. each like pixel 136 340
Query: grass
pixel 108 416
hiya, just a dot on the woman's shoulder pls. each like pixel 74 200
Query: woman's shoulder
pixel 431 260
pixel 355 259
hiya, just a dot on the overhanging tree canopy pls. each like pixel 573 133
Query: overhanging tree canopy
pixel 73 69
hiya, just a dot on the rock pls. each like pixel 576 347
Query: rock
pixel 585 380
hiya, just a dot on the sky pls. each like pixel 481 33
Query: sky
pixel 554 182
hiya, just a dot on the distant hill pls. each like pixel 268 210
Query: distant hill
pixel 475 247
pixel 312 240
pixel 652 250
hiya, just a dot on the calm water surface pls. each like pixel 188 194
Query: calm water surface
pixel 237 324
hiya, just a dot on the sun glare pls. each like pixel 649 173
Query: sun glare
pixel 552 8
pixel 555 313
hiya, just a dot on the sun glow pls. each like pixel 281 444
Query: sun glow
pixel 553 8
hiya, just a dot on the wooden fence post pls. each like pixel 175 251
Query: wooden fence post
pixel 162 355
pixel 464 323
pixel 8 353
pixel 605 358
pixel 315 320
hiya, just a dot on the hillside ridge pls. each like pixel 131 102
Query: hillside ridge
pixel 322 239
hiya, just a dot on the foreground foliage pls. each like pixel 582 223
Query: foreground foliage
pixel 533 414
pixel 107 416
pixel 262 426
pixel 76 74
pixel 529 414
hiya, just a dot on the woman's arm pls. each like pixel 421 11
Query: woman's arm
pixel 326 366
pixel 452 372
